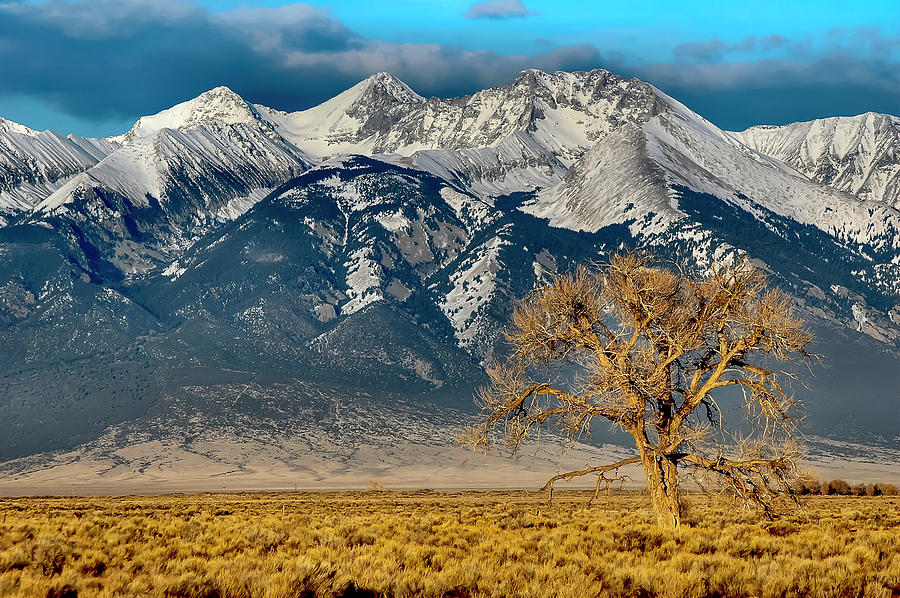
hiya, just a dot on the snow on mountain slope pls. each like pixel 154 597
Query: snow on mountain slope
pixel 170 162
pixel 97 148
pixel 472 286
pixel 630 173
pixel 858 154
pixel 614 183
pixel 34 164
pixel 8 126
pixel 517 164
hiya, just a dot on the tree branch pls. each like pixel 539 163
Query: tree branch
pixel 601 469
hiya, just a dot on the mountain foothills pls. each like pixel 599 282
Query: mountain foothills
pixel 226 262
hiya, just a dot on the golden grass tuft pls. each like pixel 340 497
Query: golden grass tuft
pixel 441 545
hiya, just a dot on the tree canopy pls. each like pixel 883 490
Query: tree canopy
pixel 655 347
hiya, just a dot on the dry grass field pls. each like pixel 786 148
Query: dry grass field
pixel 501 544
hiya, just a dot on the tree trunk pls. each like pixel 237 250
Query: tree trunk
pixel 662 482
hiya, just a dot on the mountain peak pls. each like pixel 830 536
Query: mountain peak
pixel 581 87
pixel 221 89
pixel 358 112
pixel 218 105
pixel 530 77
pixel 220 94
pixel 386 85
pixel 537 76
pixel 8 126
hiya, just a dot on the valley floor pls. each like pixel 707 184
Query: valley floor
pixel 441 544
pixel 259 463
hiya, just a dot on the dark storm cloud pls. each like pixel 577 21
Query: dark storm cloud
pixel 772 42
pixel 292 28
pixel 112 58
pixel 715 50
pixel 498 9
pixel 124 58
pixel 857 72
pixel 711 51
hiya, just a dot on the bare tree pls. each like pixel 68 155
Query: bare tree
pixel 655 347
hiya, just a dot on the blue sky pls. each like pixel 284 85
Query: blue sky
pixel 94 66
pixel 645 29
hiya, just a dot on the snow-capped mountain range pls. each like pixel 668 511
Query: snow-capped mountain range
pixel 377 242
